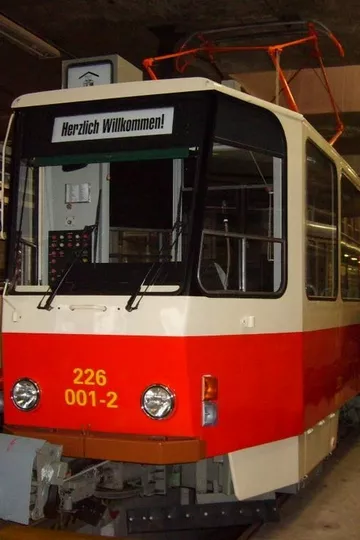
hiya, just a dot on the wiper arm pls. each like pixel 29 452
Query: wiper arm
pixel 96 225
pixel 130 303
pixel 88 229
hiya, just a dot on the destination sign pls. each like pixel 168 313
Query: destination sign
pixel 113 125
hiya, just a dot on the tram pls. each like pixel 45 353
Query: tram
pixel 181 313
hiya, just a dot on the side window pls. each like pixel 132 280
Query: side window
pixel 350 240
pixel 243 238
pixel 321 225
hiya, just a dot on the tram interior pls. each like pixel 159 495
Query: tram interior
pixel 244 198
pixel 323 234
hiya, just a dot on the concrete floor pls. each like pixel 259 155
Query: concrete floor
pixel 329 508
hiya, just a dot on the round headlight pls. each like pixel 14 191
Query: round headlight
pixel 158 401
pixel 25 394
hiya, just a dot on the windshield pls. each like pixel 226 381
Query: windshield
pixel 243 238
pixel 142 203
pixel 178 193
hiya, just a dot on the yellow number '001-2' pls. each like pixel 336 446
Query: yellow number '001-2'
pixel 83 398
pixel 90 377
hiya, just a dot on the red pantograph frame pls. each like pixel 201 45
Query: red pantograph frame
pixel 274 51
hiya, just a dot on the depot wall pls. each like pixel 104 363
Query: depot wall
pixel 308 89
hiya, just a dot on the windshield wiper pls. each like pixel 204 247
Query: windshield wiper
pixel 88 229
pixel 179 227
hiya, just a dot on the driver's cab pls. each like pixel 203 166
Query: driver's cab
pixel 162 187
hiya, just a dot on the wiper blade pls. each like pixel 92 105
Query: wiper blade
pixel 130 303
pixel 88 229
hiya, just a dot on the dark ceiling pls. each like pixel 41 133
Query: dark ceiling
pixel 141 28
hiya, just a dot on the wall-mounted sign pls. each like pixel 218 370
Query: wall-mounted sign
pixel 113 125
pixel 77 193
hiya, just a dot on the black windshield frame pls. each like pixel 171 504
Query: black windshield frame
pixel 242 125
pixel 202 118
pixel 193 127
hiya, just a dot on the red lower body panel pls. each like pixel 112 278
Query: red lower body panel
pixel 331 360
pixel 271 386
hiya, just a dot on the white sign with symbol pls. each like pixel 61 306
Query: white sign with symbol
pixel 89 74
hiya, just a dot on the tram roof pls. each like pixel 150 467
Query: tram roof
pixel 153 88
pixel 139 88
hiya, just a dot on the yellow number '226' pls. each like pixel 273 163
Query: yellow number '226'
pixel 90 377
